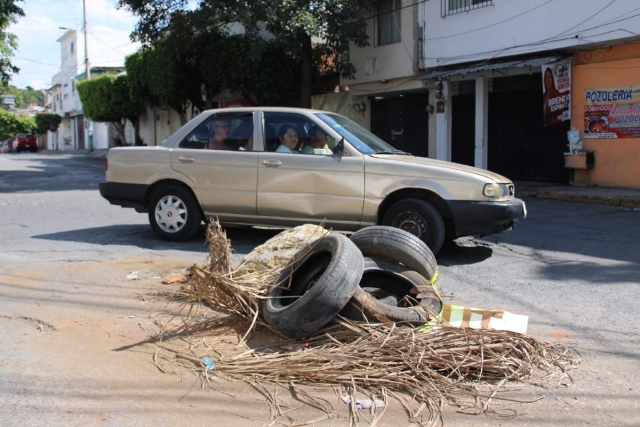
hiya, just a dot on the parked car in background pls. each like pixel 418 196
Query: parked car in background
pixel 288 166
pixel 25 142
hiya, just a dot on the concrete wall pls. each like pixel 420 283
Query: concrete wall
pixel 52 140
pixel 497 30
pixel 100 136
pixel 147 127
pixel 374 63
pixel 617 161
pixel 342 103
pixel 66 141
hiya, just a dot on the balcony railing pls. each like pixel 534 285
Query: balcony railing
pixel 451 7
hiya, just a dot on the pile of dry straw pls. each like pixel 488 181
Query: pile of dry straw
pixel 444 365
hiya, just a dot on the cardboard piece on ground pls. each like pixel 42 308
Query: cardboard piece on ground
pixel 475 318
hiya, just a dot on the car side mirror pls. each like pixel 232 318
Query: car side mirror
pixel 338 150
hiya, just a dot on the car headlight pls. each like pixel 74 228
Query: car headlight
pixel 496 191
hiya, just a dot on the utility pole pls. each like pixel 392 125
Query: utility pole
pixel 88 125
pixel 86 46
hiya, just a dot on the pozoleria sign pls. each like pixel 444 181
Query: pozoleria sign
pixel 612 113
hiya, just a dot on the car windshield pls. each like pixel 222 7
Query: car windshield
pixel 363 140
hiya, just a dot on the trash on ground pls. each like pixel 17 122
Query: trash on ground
pixel 277 251
pixel 208 363
pixel 475 318
pixel 441 365
pixel 364 403
pixel 132 276
pixel 175 279
pixel 296 348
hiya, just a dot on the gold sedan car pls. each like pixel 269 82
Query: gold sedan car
pixel 289 166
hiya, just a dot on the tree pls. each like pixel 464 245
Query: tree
pixel 47 122
pixel 10 125
pixel 292 23
pixel 30 96
pixel 108 99
pixel 9 12
pixel 161 75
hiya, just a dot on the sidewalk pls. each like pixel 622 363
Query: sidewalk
pixel 96 154
pixel 613 196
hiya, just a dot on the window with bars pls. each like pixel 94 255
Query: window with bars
pixel 451 7
pixel 388 28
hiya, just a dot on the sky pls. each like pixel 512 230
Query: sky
pixel 38 55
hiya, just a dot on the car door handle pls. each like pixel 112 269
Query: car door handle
pixel 272 163
pixel 185 159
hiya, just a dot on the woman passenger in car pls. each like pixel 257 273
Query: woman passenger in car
pixel 288 137
pixel 318 142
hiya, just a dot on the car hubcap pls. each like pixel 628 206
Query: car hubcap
pixel 412 223
pixel 171 214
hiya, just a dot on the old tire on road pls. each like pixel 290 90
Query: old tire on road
pixel 314 286
pixel 383 281
pixel 174 213
pixel 419 218
pixel 396 245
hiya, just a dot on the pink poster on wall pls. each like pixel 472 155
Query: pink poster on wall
pixel 556 84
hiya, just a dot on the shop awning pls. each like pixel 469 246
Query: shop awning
pixel 530 62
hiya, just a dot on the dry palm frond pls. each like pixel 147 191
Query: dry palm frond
pixel 442 365
pixel 239 291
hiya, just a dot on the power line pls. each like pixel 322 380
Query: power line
pixel 586 20
pixel 489 26
pixel 110 47
pixel 543 41
pixel 386 88
pixel 626 13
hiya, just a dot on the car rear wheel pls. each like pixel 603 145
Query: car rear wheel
pixel 419 218
pixel 174 213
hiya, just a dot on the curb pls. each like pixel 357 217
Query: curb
pixel 623 202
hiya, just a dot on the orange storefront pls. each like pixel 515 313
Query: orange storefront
pixel 613 73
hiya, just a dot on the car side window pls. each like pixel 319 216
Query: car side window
pixel 295 134
pixel 199 137
pixel 232 131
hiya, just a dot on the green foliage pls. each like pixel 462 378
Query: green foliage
pixel 250 64
pixel 108 99
pixel 30 96
pixel 9 12
pixel 164 75
pixel 10 125
pixel 47 122
pixel 262 71
pixel 24 97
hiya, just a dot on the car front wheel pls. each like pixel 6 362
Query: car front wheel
pixel 419 218
pixel 174 213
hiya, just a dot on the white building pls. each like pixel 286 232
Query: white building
pixel 461 80
pixel 75 131
pixel 386 96
pixel 486 58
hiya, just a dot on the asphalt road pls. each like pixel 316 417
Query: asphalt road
pixel 65 252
